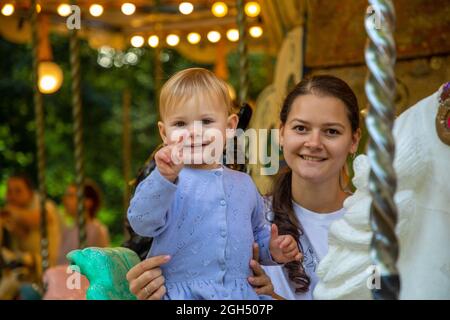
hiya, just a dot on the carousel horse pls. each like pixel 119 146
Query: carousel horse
pixel 422 164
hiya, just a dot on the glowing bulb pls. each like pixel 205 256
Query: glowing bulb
pixel 172 40
pixel 38 8
pixel 252 9
pixel 256 32
pixel 64 10
pixel 50 77
pixel 214 36
pixel 128 8
pixel 186 8
pixel 8 9
pixel 194 37
pixel 153 41
pixel 219 9
pixel 233 35
pixel 137 41
pixel 96 10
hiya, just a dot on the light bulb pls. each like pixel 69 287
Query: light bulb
pixel 96 10
pixel 128 8
pixel 8 9
pixel 233 35
pixel 186 8
pixel 194 37
pixel 64 10
pixel 137 41
pixel 50 77
pixel 214 36
pixel 153 41
pixel 172 40
pixel 256 31
pixel 219 9
pixel 252 9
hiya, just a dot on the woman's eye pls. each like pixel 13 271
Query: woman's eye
pixel 300 128
pixel 207 121
pixel 332 132
pixel 179 124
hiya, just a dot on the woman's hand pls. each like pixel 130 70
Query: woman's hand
pixel 260 281
pixel 146 280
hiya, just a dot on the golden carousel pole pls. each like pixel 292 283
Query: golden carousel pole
pixel 77 111
pixel 243 53
pixel 40 139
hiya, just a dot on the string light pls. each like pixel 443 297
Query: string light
pixel 219 9
pixel 233 35
pixel 64 10
pixel 153 41
pixel 137 41
pixel 256 31
pixel 96 10
pixel 128 8
pixel 172 40
pixel 252 9
pixel 194 37
pixel 8 9
pixel 186 8
pixel 214 36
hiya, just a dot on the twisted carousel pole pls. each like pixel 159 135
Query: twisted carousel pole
pixel 77 112
pixel 40 139
pixel 380 57
pixel 243 53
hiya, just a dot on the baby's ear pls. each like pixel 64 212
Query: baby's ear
pixel 232 123
pixel 162 131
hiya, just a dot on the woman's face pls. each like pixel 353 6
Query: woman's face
pixel 317 138
pixel 70 200
pixel 18 193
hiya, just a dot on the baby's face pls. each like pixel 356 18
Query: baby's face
pixel 203 123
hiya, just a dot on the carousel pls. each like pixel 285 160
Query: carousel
pixel 393 53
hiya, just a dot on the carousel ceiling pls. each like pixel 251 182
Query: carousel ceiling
pixel 196 27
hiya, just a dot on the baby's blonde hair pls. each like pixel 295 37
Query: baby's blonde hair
pixel 190 83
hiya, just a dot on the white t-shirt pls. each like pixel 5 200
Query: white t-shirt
pixel 315 246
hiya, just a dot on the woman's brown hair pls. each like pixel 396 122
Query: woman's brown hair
pixel 284 215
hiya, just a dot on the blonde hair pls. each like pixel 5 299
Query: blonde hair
pixel 193 82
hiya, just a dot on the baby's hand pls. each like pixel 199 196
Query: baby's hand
pixel 169 161
pixel 283 248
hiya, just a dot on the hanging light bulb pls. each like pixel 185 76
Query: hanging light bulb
pixel 256 31
pixel 137 41
pixel 172 40
pixel 194 37
pixel 64 10
pixel 186 8
pixel 96 10
pixel 50 77
pixel 8 9
pixel 153 41
pixel 219 9
pixel 38 8
pixel 214 36
pixel 128 8
pixel 233 35
pixel 252 9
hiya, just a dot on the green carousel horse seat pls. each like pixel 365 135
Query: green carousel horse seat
pixel 106 270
